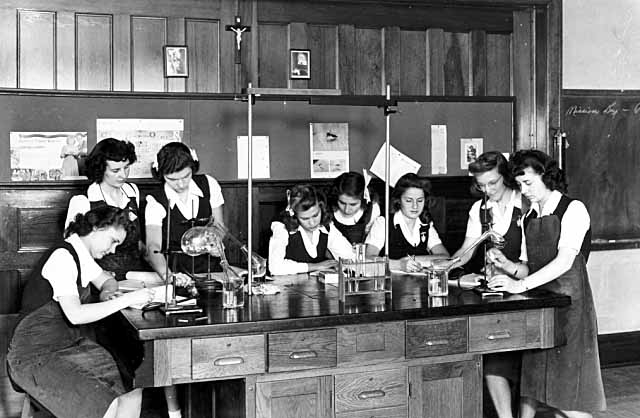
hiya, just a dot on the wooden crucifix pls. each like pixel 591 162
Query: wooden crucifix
pixel 238 29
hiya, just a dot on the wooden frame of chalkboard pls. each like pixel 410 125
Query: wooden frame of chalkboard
pixel 602 160
pixel 213 121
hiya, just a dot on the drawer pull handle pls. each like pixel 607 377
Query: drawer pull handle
pixel 296 355
pixel 431 343
pixel 502 335
pixel 228 361
pixel 371 394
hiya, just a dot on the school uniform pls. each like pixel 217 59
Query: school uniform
pixel 290 252
pixel 419 240
pixel 356 227
pixel 57 363
pixel 204 195
pixel 128 256
pixel 507 223
pixel 566 377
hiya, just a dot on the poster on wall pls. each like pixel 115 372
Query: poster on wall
pixel 470 150
pixel 399 164
pixel 147 135
pixel 47 156
pixel 260 168
pixel 329 144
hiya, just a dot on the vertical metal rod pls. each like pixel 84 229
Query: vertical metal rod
pixel 167 255
pixel 249 190
pixel 387 176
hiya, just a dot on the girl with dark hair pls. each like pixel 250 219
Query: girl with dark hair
pixel 108 166
pixel 557 234
pixel 303 240
pixel 500 209
pixel 193 200
pixel 411 230
pixel 353 210
pixel 52 354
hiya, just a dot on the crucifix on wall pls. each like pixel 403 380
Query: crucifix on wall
pixel 238 28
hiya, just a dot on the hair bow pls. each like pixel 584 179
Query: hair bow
pixel 289 209
pixel 367 178
pixel 154 164
pixel 194 155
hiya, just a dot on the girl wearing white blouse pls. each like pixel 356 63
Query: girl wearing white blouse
pixel 53 355
pixel 557 233
pixel 414 240
pixel 304 241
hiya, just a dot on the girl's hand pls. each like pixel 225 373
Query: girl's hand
pixel 137 297
pixel 410 264
pixel 497 258
pixel 182 280
pixel 504 283
pixel 323 265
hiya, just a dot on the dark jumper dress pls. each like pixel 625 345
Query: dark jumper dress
pixel 356 233
pixel 565 377
pixel 56 362
pixel 399 246
pixel 296 250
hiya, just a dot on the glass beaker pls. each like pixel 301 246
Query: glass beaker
pixel 437 280
pixel 232 288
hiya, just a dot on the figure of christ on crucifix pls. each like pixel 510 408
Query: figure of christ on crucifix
pixel 238 29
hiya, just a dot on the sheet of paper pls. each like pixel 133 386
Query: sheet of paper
pixel 158 296
pixel 259 155
pixel 438 149
pixel 399 164
pixel 329 149
pixel 470 150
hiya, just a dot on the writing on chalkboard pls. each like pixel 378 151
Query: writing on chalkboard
pixel 612 109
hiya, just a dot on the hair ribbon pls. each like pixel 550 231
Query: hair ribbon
pixel 194 155
pixel 367 179
pixel 154 164
pixel 289 209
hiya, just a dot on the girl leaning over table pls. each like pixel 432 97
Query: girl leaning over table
pixel 53 355
pixel 413 238
pixel 303 240
pixel 557 234
pixel 501 210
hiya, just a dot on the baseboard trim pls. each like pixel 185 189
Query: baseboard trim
pixel 619 349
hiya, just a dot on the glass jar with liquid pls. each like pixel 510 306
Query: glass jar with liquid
pixel 437 280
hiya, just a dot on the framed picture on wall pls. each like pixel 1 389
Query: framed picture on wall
pixel 175 61
pixel 300 63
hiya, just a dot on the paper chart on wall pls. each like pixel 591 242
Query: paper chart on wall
pixel 399 164
pixel 438 149
pixel 259 155
pixel 46 156
pixel 147 135
pixel 329 143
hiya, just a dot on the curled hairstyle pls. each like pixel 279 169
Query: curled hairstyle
pixel 407 182
pixel 350 184
pixel 302 198
pixel 552 176
pixel 100 217
pixel 490 160
pixel 109 149
pixel 173 157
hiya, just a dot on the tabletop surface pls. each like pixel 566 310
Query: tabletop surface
pixel 304 302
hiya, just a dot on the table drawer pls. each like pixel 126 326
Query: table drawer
pixel 502 331
pixel 302 350
pixel 393 412
pixel 227 356
pixel 369 343
pixel 370 390
pixel 436 337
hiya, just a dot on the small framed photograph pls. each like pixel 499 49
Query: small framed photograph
pixel 175 61
pixel 470 150
pixel 300 63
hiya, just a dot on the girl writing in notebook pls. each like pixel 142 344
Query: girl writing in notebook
pixel 412 236
pixel 303 240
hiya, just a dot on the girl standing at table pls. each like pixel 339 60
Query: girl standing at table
pixel 353 210
pixel 108 167
pixel 53 355
pixel 501 209
pixel 411 230
pixel 557 234
pixel 303 240
pixel 193 199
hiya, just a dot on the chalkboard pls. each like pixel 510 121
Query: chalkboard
pixel 603 159
pixel 212 124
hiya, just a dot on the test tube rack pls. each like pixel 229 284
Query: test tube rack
pixel 368 277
